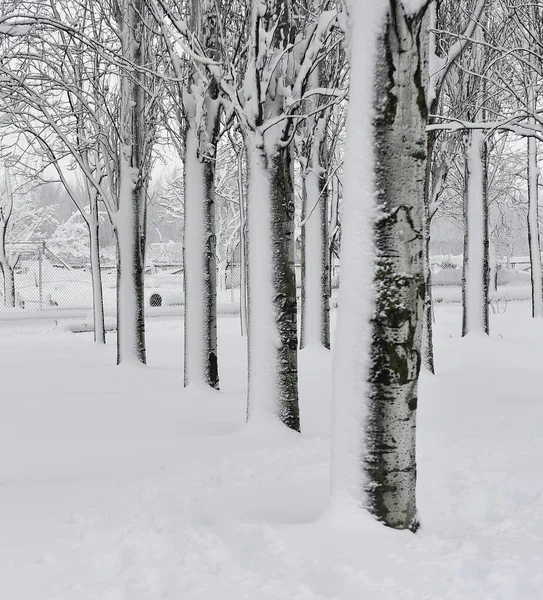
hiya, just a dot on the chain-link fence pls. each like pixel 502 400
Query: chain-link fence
pixel 46 280
pixel 509 265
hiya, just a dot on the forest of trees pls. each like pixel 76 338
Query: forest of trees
pixel 334 126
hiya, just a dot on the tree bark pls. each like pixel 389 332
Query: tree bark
pixel 201 104
pixel 243 309
pixel 475 277
pixel 129 220
pixel 428 359
pixel 7 269
pixel 315 326
pixel 533 230
pixel 5 265
pixel 272 333
pixel 400 165
pixel 427 326
pixel 200 263
pixel 97 294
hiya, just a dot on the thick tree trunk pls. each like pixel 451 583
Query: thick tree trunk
pixel 129 220
pixel 272 339
pixel 475 278
pixel 400 155
pixel 202 112
pixel 533 230
pixel 315 326
pixel 200 266
pixel 130 279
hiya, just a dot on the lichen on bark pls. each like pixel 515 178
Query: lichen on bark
pixel 400 167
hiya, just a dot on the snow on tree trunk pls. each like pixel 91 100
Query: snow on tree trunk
pixel 97 295
pixel 5 265
pixel 401 152
pixel 130 268
pixel 202 112
pixel 242 250
pixel 221 275
pixel 272 334
pixel 315 327
pixel 533 230
pixel 9 281
pixel 130 217
pixel 351 362
pixel 475 279
pixel 200 268
pixel 427 326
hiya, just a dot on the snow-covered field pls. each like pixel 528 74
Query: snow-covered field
pixel 116 484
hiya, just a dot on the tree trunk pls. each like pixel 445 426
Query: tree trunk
pixel 272 339
pixel 400 155
pixel 533 230
pixel 475 277
pixel 242 250
pixel 202 111
pixel 7 270
pixel 428 323
pixel 5 265
pixel 97 295
pixel 129 220
pixel 315 327
pixel 427 326
pixel 130 278
pixel 200 265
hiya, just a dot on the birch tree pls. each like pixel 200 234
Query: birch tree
pixel 314 153
pixel 402 81
pixel 443 55
pixel 393 326
pixel 113 150
pixel 265 98
pixel 527 22
pixel 199 110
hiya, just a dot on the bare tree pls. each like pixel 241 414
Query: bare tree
pixel 6 210
pixel 315 146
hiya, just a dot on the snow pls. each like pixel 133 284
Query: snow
pixel 126 234
pixel 313 264
pixel 117 483
pixel 475 305
pixel 413 6
pixel 263 332
pixel 194 244
pixel 351 366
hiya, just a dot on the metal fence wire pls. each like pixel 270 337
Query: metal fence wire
pixel 46 280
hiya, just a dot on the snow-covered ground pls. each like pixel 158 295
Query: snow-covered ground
pixel 117 484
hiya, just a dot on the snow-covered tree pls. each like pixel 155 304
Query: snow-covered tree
pixel 6 210
pixel 24 217
pixel 200 110
pixel 314 146
pixel 376 396
pixel 266 95
pixel 94 111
